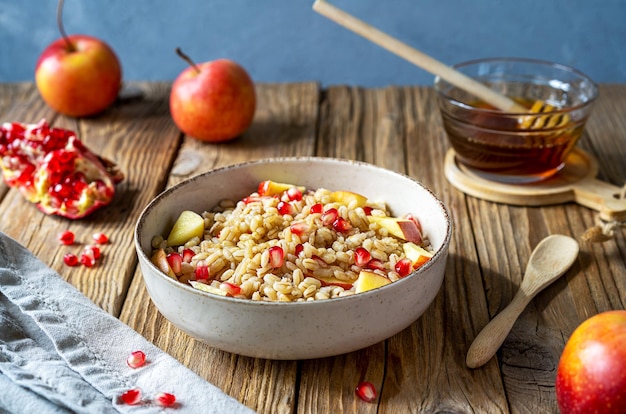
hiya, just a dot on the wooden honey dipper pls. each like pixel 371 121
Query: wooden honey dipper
pixel 442 70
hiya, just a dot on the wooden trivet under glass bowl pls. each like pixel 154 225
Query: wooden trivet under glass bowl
pixel 575 182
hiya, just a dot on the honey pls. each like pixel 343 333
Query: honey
pixel 493 143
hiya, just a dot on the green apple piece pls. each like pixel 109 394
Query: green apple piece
pixel 417 254
pixel 348 198
pixel 207 288
pixel 404 229
pixel 369 280
pixel 187 226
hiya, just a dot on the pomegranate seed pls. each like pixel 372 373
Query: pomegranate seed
pixel 316 208
pixel 329 216
pixel 299 249
pixel 376 264
pixel 263 187
pixel 187 255
pixel 366 391
pixel 66 238
pixel 277 256
pixel 100 238
pixel 294 194
pixel 367 210
pixel 299 228
pixel 175 261
pixel 250 199
pixel 87 258
pixel 131 397
pixel 342 225
pixel 404 267
pixel 202 271
pixel 230 288
pixel 70 259
pixel 136 359
pixel 94 250
pixel 165 399
pixel 361 256
pixel 285 208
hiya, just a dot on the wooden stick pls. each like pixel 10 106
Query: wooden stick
pixel 417 58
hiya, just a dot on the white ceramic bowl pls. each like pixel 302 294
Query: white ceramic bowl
pixel 297 330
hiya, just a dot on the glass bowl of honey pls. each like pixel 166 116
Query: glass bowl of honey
pixel 524 146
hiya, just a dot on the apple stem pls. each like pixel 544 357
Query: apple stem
pixel 70 46
pixel 187 59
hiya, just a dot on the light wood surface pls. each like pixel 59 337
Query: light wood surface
pixel 420 370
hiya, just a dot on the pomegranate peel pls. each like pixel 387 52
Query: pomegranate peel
pixel 54 170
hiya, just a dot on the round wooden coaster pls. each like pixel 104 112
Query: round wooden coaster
pixel 575 182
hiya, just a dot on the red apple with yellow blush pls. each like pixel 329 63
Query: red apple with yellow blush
pixel 78 75
pixel 212 101
pixel 591 375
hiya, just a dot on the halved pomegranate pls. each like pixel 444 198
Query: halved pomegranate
pixel 53 169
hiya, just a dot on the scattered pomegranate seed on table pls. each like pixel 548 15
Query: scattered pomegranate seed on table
pixel 92 250
pixel 165 399
pixel 87 258
pixel 131 397
pixel 136 359
pixel 366 391
pixel 100 238
pixel 67 238
pixel 70 259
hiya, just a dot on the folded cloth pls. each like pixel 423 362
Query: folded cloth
pixel 60 353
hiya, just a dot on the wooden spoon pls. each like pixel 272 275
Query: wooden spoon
pixel 552 257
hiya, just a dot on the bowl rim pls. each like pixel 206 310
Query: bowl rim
pixel 539 62
pixel 441 251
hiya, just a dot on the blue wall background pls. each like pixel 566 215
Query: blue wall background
pixel 285 40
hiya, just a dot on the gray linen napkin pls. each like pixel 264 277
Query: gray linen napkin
pixel 60 353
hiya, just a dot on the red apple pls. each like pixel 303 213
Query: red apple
pixel 213 101
pixel 78 75
pixel 591 376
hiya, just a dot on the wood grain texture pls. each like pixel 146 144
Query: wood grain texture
pixel 421 369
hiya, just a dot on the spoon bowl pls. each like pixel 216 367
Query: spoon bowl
pixel 552 257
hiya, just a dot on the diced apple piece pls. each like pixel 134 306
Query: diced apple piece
pixel 331 280
pixel 369 280
pixel 348 198
pixel 417 254
pixel 187 226
pixel 207 288
pixel 159 258
pixel 271 188
pixel 404 229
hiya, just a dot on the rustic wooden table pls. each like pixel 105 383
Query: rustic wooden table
pixel 421 369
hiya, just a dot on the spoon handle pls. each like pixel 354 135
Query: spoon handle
pixel 488 341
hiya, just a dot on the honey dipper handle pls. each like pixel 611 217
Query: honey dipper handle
pixel 416 57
